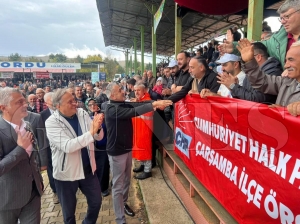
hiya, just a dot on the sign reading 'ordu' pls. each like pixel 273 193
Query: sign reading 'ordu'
pixel 17 64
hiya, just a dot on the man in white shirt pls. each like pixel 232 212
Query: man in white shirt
pixel 231 65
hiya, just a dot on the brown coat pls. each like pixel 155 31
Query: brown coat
pixel 284 87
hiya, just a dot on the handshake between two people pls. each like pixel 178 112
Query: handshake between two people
pixel 161 104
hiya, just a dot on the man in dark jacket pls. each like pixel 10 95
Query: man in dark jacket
pixel 118 116
pixel 45 114
pixel 201 77
pixel 181 77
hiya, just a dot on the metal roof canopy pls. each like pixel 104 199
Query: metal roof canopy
pixel 121 21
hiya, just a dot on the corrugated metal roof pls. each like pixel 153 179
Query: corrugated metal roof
pixel 121 21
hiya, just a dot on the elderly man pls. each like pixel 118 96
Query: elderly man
pixel 40 103
pixel 71 134
pixel 201 77
pixel 270 66
pixel 118 115
pixel 31 103
pixel 45 115
pixel 142 135
pixel 280 42
pixel 150 79
pixel 20 179
pixel 287 88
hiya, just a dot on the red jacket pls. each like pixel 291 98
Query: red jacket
pixel 158 88
pixel 142 134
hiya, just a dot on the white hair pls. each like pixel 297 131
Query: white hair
pixel 109 88
pixel 289 4
pixel 140 85
pixel 296 44
pixel 137 77
pixel 57 95
pixel 47 96
pixel 6 95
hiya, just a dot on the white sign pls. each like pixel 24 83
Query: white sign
pixel 6 75
pixel 45 65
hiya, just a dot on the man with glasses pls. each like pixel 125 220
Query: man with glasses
pixel 71 134
pixel 281 41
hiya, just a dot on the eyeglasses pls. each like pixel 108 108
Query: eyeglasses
pixel 286 17
pixel 72 102
pixel 92 104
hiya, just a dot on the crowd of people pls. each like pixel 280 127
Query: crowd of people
pixel 86 134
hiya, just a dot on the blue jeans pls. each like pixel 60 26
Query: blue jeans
pixel 66 192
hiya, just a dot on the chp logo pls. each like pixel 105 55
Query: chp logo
pixel 182 141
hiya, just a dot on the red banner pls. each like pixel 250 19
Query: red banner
pixel 246 154
pixel 42 75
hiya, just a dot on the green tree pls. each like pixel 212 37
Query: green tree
pixel 110 68
pixel 15 57
pixel 57 58
pixel 120 69
pixel 90 64
pixel 32 59
pixel 79 59
pixel 148 66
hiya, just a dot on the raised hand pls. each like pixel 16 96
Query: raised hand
pixel 226 79
pixel 24 141
pixel 246 49
pixel 229 36
pixel 226 47
pixel 96 123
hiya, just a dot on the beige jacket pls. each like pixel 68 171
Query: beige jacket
pixel 284 87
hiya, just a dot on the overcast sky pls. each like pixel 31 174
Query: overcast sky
pixel 41 27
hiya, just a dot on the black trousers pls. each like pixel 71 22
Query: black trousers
pixel 66 191
pixel 102 171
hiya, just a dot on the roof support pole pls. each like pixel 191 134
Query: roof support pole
pixel 126 62
pixel 142 48
pixel 255 18
pixel 135 58
pixel 178 31
pixel 153 43
pixel 130 61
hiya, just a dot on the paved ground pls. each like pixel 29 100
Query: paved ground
pixel 52 213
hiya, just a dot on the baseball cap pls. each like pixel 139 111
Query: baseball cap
pixel 228 57
pixel 172 64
